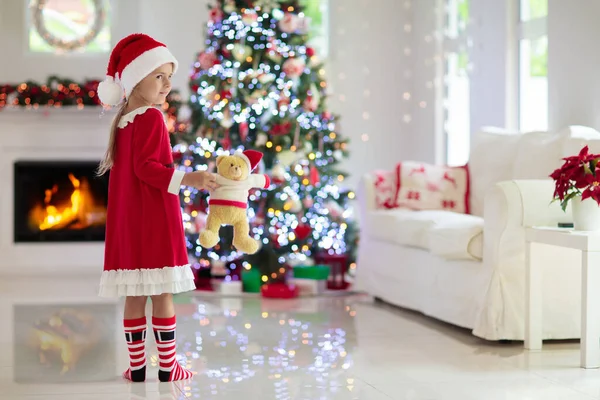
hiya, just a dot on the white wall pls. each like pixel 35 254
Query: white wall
pixel 366 69
pixel 182 32
pixel 573 63
pixel 490 79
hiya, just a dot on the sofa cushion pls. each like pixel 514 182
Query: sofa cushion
pixel 576 137
pixel 386 189
pixel 423 186
pixel 538 154
pixel 493 152
pixel 457 238
pixel 411 228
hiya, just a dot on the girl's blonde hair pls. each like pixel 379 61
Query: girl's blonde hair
pixel 109 157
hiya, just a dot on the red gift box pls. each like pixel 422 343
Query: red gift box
pixel 279 291
pixel 338 264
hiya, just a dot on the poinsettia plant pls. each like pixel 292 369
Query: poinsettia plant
pixel 578 176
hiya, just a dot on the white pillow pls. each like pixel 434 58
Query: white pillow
pixel 493 152
pixel 538 154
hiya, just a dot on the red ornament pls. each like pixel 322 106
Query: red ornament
pixel 310 51
pixel 283 101
pixel 326 115
pixel 279 291
pixel 208 59
pixel 314 175
pixel 215 15
pixel 243 130
pixel 281 129
pixel 303 231
pixel 275 241
pixel 226 142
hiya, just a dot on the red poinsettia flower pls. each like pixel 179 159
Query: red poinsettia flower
pixel 582 157
pixel 592 191
pixel 579 175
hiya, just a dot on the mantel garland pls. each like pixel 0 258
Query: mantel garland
pixel 59 92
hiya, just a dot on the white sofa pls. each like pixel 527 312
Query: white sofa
pixel 469 270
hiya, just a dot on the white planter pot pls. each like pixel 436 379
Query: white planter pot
pixel 586 214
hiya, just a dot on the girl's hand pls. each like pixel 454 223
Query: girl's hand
pixel 200 180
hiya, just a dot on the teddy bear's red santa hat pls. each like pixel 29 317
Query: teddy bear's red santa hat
pixel 252 157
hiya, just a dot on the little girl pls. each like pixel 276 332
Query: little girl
pixel 145 253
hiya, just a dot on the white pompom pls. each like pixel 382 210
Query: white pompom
pixel 110 92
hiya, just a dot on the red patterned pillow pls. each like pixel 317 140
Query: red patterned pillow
pixel 386 189
pixel 433 187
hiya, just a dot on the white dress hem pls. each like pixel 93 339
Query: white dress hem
pixel 146 282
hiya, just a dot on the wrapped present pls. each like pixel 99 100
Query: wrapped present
pixel 202 278
pixel 314 272
pixel 251 280
pixel 228 287
pixel 311 279
pixel 279 291
pixel 339 265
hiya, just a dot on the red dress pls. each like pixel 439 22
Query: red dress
pixel 145 251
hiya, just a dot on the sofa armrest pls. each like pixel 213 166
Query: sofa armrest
pixel 509 208
pixel 366 193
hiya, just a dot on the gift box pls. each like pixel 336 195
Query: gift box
pixel 316 272
pixel 251 280
pixel 339 265
pixel 279 291
pixel 228 288
pixel 311 279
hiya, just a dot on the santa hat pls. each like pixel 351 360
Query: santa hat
pixel 252 157
pixel 132 59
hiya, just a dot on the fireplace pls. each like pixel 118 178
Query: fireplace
pixel 59 201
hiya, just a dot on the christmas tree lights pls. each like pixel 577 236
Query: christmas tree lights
pixel 258 84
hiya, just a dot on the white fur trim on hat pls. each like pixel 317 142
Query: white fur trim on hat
pixel 143 65
pixel 110 92
pixel 239 153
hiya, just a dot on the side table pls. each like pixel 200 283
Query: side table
pixel 589 245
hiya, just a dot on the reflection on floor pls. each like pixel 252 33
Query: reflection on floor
pixel 60 341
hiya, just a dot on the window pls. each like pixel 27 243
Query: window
pixel 533 65
pixel 317 12
pixel 61 26
pixel 456 82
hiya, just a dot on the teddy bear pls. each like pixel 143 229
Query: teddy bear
pixel 228 203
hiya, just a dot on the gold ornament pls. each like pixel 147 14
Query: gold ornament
pixel 288 157
pixel 240 52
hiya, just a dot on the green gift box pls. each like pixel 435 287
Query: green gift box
pixel 314 272
pixel 251 280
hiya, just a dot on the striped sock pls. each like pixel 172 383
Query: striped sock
pixel 135 334
pixel 169 368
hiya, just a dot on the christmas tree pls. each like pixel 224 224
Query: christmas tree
pixel 259 85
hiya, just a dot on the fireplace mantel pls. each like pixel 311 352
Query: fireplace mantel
pixel 50 134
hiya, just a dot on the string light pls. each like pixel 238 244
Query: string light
pixel 252 80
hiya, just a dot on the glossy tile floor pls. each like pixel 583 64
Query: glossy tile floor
pixel 335 347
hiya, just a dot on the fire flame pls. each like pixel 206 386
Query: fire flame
pixel 81 212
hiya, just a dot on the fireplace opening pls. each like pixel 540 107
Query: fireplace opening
pixel 59 201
